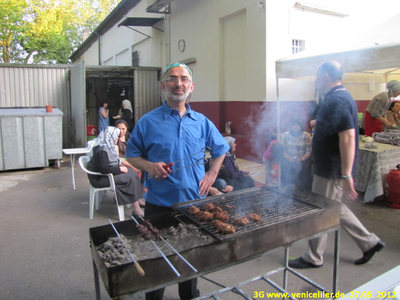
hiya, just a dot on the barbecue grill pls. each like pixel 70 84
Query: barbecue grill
pixel 286 218
pixel 272 207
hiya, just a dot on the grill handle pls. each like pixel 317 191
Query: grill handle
pixel 139 268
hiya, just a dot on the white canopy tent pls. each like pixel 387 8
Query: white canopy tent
pixel 367 70
pixel 364 69
pixel 372 53
pixel 369 62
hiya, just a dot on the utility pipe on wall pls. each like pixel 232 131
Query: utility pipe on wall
pixel 99 49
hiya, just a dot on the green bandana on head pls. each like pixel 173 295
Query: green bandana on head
pixel 177 64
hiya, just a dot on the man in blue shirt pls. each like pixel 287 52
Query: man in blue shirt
pixel 168 134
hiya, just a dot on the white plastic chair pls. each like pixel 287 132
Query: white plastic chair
pixel 94 198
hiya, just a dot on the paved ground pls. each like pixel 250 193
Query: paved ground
pixel 44 242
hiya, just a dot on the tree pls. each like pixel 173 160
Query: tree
pixel 12 28
pixel 95 11
pixel 53 34
pixel 47 31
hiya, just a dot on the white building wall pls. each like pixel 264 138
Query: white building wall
pixel 91 56
pixel 208 28
pixel 109 62
pixel 115 41
pixel 151 49
pixel 118 43
pixel 124 58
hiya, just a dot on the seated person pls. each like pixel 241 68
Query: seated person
pixel 104 159
pixel 273 155
pixel 296 162
pixel 393 114
pixel 123 136
pixel 121 149
pixel 230 171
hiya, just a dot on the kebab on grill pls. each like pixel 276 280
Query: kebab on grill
pixel 224 227
pixel 218 209
pixel 221 216
pixel 209 207
pixel 193 210
pixel 243 221
pixel 254 217
pixel 205 216
pixel 152 229
pixel 147 231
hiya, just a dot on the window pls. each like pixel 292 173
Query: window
pixel 297 46
pixel 135 59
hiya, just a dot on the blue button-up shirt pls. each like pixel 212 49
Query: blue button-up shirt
pixel 162 135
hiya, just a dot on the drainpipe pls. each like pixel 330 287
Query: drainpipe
pixel 99 48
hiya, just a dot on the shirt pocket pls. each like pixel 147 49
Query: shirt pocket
pixel 197 147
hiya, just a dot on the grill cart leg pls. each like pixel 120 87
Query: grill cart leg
pixel 336 262
pixel 285 272
pixel 96 281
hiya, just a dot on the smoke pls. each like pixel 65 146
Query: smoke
pixel 263 121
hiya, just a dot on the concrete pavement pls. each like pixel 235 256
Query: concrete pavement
pixel 44 243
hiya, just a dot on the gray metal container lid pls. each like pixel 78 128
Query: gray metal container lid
pixel 29 112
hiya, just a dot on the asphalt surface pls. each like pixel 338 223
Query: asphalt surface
pixel 45 254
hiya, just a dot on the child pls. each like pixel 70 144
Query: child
pixel 272 155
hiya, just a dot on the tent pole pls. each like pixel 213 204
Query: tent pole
pixel 278 118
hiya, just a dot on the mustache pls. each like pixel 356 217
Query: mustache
pixel 179 88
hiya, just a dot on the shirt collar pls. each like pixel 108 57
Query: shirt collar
pixel 167 111
pixel 334 89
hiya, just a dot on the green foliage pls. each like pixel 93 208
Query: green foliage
pixel 12 28
pixel 46 31
pixel 95 11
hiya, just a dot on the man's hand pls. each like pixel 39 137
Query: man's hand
pixel 156 170
pixel 211 175
pixel 205 184
pixel 348 189
pixel 347 146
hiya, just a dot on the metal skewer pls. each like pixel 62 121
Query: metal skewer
pixel 138 267
pixel 176 252
pixel 193 268
pixel 162 254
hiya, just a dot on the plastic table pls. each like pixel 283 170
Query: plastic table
pixel 72 152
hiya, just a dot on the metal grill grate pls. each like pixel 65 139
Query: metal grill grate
pixel 271 206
